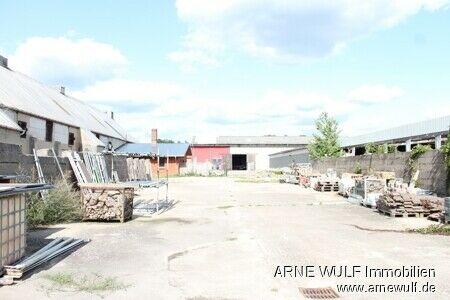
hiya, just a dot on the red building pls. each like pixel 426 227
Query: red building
pixel 208 157
pixel 165 158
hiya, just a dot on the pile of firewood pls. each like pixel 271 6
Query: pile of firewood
pixel 407 205
pixel 108 203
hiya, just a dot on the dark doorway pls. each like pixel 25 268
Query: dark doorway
pixel 359 150
pixel 239 161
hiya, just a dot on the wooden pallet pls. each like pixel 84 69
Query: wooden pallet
pixel 327 182
pixel 434 218
pixel 327 189
pixel 397 214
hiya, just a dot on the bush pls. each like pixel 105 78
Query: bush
pixel 391 149
pixel 61 205
pixel 418 151
pixel 358 169
pixel 446 150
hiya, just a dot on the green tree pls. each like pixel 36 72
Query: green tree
pixel 326 142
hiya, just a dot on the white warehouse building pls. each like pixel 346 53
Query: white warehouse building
pixel 36 116
pixel 252 153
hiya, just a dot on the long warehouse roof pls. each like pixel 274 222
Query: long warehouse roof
pixel 22 93
pixel 427 128
pixel 263 140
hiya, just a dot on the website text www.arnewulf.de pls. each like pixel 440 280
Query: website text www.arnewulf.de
pixel 412 287
pixel 365 273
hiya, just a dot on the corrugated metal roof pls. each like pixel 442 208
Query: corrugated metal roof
pixel 263 140
pixel 169 149
pixel 424 128
pixel 22 93
pixel 290 152
pixel 6 122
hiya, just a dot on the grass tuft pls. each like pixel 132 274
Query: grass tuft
pixel 433 229
pixel 95 284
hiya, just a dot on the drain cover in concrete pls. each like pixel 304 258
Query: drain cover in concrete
pixel 319 293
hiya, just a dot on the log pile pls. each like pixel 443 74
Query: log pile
pixel 397 204
pixel 109 202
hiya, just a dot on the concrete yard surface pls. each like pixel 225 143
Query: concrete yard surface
pixel 224 239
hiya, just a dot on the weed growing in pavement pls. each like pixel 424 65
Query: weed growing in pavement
pixel 61 205
pixel 95 284
pixel 433 229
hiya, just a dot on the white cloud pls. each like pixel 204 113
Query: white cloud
pixel 386 115
pixel 201 48
pixel 288 30
pixel 181 113
pixel 126 91
pixel 67 60
pixel 375 94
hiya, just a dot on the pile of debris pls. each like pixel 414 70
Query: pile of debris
pixel 297 173
pixel 397 204
pixel 347 183
pixel 436 207
pixel 107 202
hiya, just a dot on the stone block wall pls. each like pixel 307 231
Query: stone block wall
pixel 431 166
pixel 13 162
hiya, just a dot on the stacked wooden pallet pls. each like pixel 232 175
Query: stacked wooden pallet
pixel 327 185
pixel 397 204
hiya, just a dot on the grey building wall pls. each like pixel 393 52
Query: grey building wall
pixel 431 166
pixel 13 162
pixel 282 161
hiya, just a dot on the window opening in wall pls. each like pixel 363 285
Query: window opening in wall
pixel 23 125
pixel 48 131
pixel 71 138
pixel 162 161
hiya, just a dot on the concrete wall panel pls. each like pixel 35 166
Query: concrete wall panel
pixel 36 128
pixel 60 133
pixel 431 166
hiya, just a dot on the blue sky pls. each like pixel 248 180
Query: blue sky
pixel 206 68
